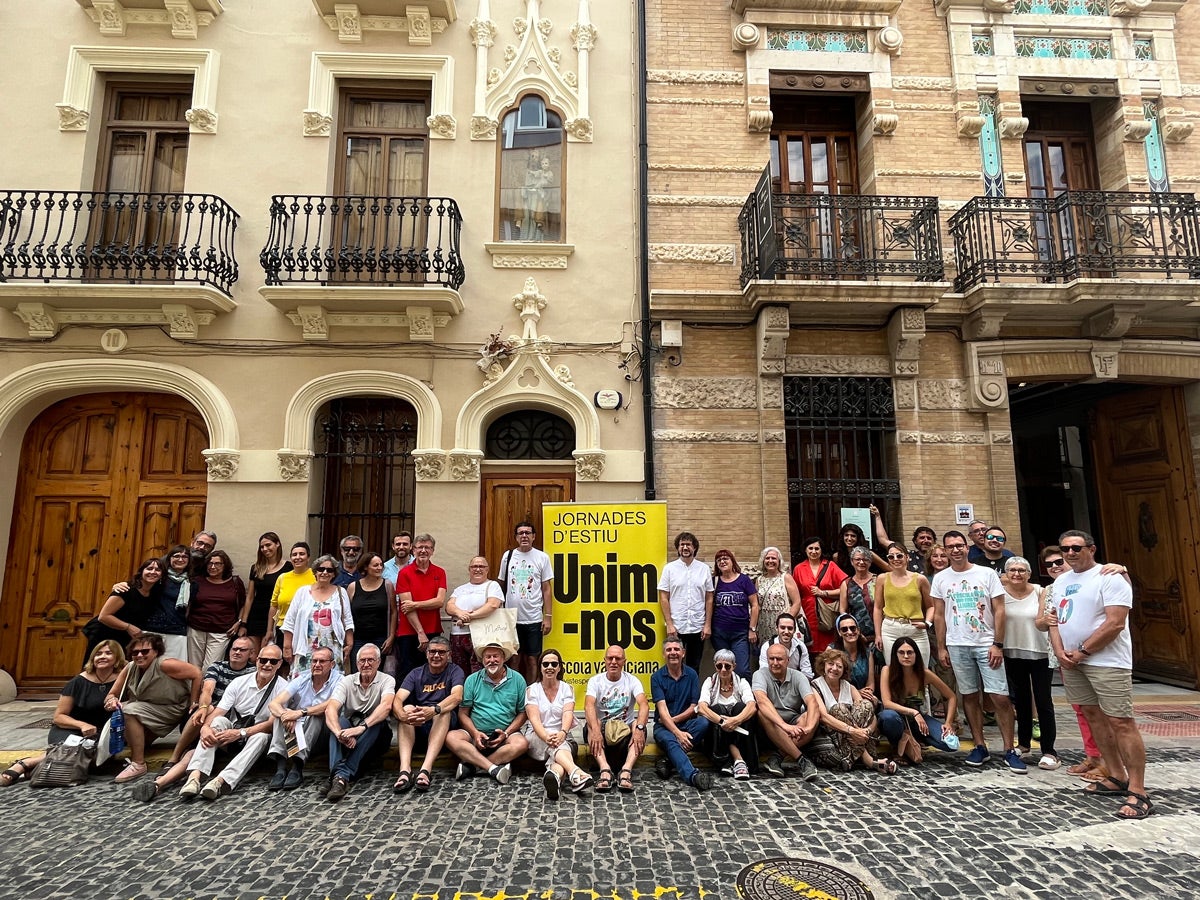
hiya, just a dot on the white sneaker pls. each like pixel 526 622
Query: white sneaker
pixel 501 773
pixel 741 772
pixel 1049 762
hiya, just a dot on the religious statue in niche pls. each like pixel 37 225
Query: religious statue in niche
pixel 539 180
pixel 531 173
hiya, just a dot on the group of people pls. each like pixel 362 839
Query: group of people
pixel 813 665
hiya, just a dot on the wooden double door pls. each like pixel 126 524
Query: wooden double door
pixel 106 481
pixel 509 499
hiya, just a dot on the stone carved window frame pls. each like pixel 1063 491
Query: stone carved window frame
pixel 85 64
pixel 327 68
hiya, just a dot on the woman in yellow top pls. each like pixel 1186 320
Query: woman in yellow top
pixel 903 605
pixel 286 587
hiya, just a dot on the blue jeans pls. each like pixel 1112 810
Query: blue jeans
pixel 892 724
pixel 697 727
pixel 737 641
pixel 345 763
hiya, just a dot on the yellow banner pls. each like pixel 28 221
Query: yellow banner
pixel 607 560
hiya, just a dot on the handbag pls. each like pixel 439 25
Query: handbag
pixel 104 741
pixel 251 719
pixel 827 610
pixel 497 627
pixel 65 764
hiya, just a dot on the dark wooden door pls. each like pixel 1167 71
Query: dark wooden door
pixel 509 499
pixel 107 480
pixel 1148 509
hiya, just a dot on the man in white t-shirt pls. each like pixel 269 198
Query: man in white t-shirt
pixel 1093 645
pixel 526 577
pixel 616 714
pixel 684 589
pixel 785 634
pixel 969 604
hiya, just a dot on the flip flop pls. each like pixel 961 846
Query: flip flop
pixel 1108 787
pixel 605 782
pixel 424 782
pixel 1140 806
pixel 403 783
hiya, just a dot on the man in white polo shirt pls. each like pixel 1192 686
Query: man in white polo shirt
pixel 685 587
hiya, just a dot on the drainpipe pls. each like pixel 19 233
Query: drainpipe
pixel 647 361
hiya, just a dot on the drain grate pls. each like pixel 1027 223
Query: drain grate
pixel 39 724
pixel 1174 715
pixel 782 877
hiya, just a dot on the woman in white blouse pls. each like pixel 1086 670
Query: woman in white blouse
pixel 550 706
pixel 727 701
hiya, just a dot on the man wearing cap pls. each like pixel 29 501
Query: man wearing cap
pixel 425 708
pixel 491 715
pixel 616 715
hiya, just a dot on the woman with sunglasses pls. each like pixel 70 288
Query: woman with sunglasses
pixel 857 593
pixel 727 701
pixel 847 717
pixel 903 721
pixel 777 593
pixel 731 616
pixel 286 586
pixel 550 706
pixel 319 616
pixel 154 695
pixel 861 670
pixel 1026 660
pixel 903 605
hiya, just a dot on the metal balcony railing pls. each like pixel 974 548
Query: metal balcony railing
pixel 840 237
pixel 364 241
pixel 1078 234
pixel 92 236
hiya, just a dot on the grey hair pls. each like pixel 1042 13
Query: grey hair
pixel 1017 561
pixel 326 558
pixel 367 646
pixel 439 639
pixel 211 534
pixel 424 538
pixel 860 550
pixel 762 556
pixel 724 656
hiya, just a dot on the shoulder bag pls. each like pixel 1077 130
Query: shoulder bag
pixel 827 610
pixel 65 764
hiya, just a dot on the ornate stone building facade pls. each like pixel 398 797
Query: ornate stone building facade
pixel 927 255
pixel 308 267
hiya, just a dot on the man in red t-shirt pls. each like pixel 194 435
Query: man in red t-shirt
pixel 421 593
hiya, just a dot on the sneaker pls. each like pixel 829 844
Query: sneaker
pixel 792 767
pixel 774 765
pixel 501 773
pixel 579 780
pixel 190 791
pixel 1037 731
pixel 131 772
pixel 702 781
pixel 977 757
pixel 807 770
pixel 337 790
pixel 464 771
pixel 552 784
pixel 214 789
pixel 725 771
pixel 1015 763
pixel 1049 762
pixel 741 771
pixel 146 791
pixel 663 768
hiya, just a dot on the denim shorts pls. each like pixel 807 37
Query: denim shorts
pixel 970 666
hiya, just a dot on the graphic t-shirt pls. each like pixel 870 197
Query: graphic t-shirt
pixel 1079 599
pixel 968 596
pixel 525 574
pixel 731 603
pixel 615 699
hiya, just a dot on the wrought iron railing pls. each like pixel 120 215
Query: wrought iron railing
pixel 840 237
pixel 364 240
pixel 1078 234
pixel 113 236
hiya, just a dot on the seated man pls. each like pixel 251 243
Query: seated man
pixel 678 729
pixel 785 627
pixel 425 708
pixel 491 715
pixel 302 705
pixel 357 718
pixel 241 724
pixel 616 720
pixel 786 719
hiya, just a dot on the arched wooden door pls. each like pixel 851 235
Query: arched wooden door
pixel 106 480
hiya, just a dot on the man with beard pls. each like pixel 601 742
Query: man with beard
pixel 357 717
pixel 684 589
pixel 491 716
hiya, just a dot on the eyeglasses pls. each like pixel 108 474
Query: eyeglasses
pixel 269 660
pixel 324 570
pixel 1055 563
pixel 478 567
pixel 995 537
pixel 368 660
pixel 239 649
pixel 322 661
pixel 435 652
pixel 549 664
pixel 889 556
pixel 723 666
pixel 183 555
pixel 950 548
pixel 848 629
pixel 1073 548
pixel 145 651
pixel 524 534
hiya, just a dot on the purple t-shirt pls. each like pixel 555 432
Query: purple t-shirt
pixel 731 603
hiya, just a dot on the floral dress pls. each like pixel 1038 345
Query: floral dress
pixel 772 601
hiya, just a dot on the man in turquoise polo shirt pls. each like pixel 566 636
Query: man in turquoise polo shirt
pixel 491 716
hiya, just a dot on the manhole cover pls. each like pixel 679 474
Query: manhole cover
pixel 782 877
pixel 1174 715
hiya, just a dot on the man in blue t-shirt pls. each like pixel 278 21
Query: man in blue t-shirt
pixel 425 708
pixel 675 689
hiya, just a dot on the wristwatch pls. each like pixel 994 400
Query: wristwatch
pixel 640 727
pixel 242 732
pixel 437 709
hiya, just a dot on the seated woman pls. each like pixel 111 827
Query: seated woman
pixel 727 701
pixel 550 706
pixel 156 700
pixel 80 709
pixel 860 656
pixel 902 720
pixel 848 717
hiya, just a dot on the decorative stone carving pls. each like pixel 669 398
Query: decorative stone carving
pixel 464 465
pixel 947 393
pixel 294 466
pixel 682 436
pixel 420 323
pixel 184 22
pixel 483 32
pixel 583 37
pixel 706 393
pixel 999 6
pixel 1114 321
pixel 906 330
pixel 905 392
pixel 41 320
pixel 111 17
pixel 1013 128
pixel 1128 8
pixel 709 254
pixel 890 40
pixel 529 304
pixel 181 320
pixel 806 364
pixel 922 83
pixel 696 200
pixel 969 125
pixel 984 324
pixel 774 326
pixel 313 324
pixel 885 124
pixel 316 124
pixel 483 128
pixel 71 119
pixel 429 464
pixel 950 437
pixel 222 464
pixel 746 36
pixel 668 76
pixel 563 374
pixel 770 393
pixel 1104 362
pixel 443 125
pixel 420 26
pixel 986 376
pixel 1002 437
pixel 589 464
pixel 1136 129
pixel 1176 131
pixel 579 128
pixel 910 437
pixel 759 120
pixel 201 120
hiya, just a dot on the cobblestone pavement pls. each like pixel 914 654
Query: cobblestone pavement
pixel 940 830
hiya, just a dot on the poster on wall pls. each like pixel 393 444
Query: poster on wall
pixel 607 558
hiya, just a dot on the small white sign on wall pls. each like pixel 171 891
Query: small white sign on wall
pixel 964 513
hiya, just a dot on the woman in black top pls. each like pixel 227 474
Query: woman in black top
pixel 266 570
pixel 373 607
pixel 130 607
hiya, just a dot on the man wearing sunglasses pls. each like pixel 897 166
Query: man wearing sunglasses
pixel 301 706
pixel 351 548
pixel 425 708
pixel 994 556
pixel 241 725
pixel 1096 652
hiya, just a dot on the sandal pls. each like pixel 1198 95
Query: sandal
pixel 886 766
pixel 1097 774
pixel 605 782
pixel 424 782
pixel 1139 807
pixel 625 781
pixel 1089 764
pixel 1108 786
pixel 403 783
pixel 11 776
